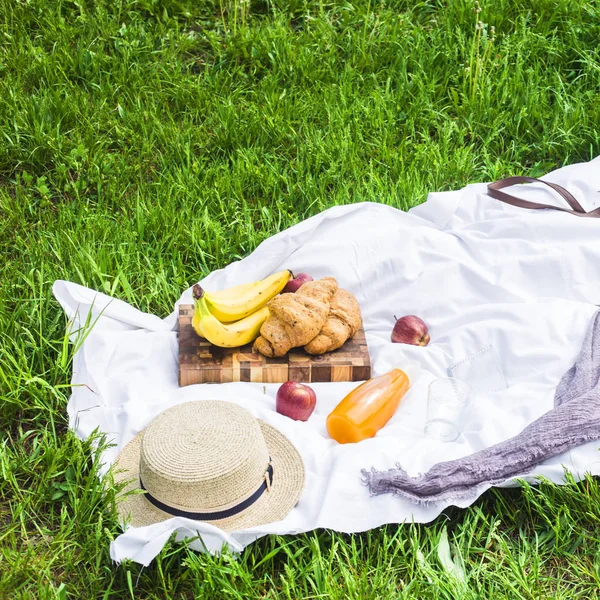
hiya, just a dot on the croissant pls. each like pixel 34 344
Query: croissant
pixel 342 323
pixel 296 319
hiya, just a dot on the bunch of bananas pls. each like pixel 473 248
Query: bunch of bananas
pixel 233 317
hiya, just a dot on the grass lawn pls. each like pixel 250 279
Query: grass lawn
pixel 144 143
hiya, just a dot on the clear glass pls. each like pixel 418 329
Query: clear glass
pixel 446 403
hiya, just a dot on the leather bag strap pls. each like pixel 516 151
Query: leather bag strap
pixel 495 191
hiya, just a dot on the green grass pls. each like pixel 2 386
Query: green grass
pixel 144 143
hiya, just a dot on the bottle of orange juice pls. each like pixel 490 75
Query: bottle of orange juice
pixel 367 408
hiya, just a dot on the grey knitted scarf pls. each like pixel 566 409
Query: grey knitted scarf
pixel 574 420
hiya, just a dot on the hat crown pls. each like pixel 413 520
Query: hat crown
pixel 203 456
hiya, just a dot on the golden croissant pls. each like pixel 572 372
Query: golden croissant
pixel 320 316
pixel 342 323
pixel 296 319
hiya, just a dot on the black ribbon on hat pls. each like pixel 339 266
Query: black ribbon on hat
pixel 220 514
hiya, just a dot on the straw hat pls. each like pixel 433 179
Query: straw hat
pixel 210 461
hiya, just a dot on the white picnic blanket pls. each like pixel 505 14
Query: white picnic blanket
pixel 481 274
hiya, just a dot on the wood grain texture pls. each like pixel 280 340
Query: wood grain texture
pixel 201 362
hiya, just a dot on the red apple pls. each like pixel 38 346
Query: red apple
pixel 410 330
pixel 295 400
pixel 295 282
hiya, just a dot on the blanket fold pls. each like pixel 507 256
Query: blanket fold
pixel 574 420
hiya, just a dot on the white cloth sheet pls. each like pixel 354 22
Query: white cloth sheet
pixel 479 272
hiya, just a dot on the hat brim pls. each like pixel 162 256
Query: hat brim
pixel 273 505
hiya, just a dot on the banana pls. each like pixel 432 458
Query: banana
pixel 230 335
pixel 223 295
pixel 240 301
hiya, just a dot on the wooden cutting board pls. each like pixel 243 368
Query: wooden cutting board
pixel 201 362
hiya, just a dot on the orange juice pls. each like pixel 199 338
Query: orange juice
pixel 367 408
